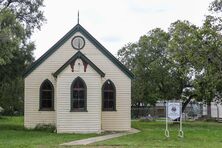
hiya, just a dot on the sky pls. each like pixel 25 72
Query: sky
pixel 114 23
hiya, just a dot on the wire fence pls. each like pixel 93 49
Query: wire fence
pixel 192 111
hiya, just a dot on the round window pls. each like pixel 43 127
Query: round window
pixel 78 42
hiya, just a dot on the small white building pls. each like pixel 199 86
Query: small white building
pixel 78 86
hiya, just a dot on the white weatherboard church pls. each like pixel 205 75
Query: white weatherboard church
pixel 78 86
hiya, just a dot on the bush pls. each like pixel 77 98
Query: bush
pixel 211 120
pixel 136 113
pixel 45 127
pixel 147 119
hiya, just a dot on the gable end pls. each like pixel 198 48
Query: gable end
pixel 75 29
pixel 82 57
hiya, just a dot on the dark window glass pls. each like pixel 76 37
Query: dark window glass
pixel 46 103
pixel 111 104
pixel 46 96
pixel 108 97
pixel 78 97
pixel 106 104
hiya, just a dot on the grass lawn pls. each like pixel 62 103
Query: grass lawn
pixel 197 134
pixel 12 134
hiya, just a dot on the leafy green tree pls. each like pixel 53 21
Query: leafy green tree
pixel 208 82
pixel 183 50
pixel 216 6
pixel 18 20
pixel 184 63
pixel 27 12
pixel 11 35
pixel 154 72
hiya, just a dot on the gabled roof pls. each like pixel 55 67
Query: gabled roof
pixel 79 28
pixel 84 58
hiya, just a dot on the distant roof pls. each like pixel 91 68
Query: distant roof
pixel 84 58
pixel 78 28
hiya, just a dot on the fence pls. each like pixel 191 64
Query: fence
pixel 192 111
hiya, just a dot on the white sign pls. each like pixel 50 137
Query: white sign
pixel 173 110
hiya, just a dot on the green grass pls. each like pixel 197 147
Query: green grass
pixel 13 134
pixel 196 135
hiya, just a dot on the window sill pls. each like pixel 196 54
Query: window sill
pixel 46 109
pixel 78 110
pixel 109 110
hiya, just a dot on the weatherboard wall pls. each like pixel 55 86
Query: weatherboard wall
pixel 120 119
pixel 32 115
pixel 88 121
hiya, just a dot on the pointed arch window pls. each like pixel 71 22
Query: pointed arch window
pixel 46 96
pixel 78 95
pixel 108 96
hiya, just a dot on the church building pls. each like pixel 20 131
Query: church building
pixel 79 87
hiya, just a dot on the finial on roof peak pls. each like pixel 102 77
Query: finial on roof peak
pixel 78 18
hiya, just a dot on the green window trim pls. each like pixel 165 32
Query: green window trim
pixel 111 91
pixel 77 90
pixel 42 95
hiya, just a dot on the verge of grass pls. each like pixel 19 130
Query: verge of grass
pixel 196 134
pixel 13 134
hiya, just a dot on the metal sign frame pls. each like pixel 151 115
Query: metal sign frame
pixel 180 132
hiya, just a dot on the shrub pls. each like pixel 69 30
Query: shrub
pixel 45 127
pixel 211 120
pixel 147 119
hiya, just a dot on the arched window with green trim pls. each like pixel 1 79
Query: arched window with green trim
pixel 108 96
pixel 46 101
pixel 78 95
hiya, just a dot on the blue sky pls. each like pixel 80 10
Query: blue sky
pixel 114 23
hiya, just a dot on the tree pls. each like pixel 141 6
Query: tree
pixel 18 20
pixel 183 50
pixel 209 81
pixel 198 51
pixel 27 12
pixel 216 6
pixel 154 72
pixel 11 35
pixel 184 63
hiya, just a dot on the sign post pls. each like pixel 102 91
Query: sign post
pixel 174 111
pixel 167 134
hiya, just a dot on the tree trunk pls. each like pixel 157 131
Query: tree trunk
pixel 185 105
pixel 209 110
pixel 187 102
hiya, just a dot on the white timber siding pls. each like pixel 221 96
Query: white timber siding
pixel 79 122
pixel 118 120
pixel 32 115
